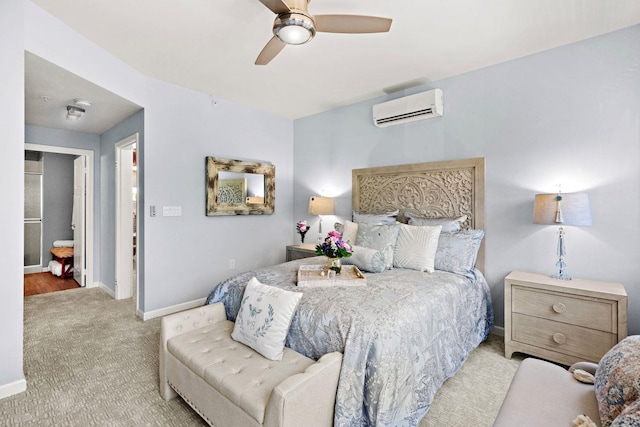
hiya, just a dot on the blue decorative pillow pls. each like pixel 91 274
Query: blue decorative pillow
pixel 449 225
pixel 457 252
pixel 366 259
pixel 383 218
pixel 264 318
pixel 618 382
pixel 380 237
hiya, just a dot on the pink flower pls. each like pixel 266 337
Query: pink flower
pixel 335 236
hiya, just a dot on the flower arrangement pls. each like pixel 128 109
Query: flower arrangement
pixel 302 228
pixel 334 247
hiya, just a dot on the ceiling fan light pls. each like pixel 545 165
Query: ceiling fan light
pixel 294 28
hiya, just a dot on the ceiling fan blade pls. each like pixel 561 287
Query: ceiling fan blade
pixel 272 48
pixel 351 24
pixel 276 6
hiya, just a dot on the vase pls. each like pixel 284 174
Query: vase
pixel 334 264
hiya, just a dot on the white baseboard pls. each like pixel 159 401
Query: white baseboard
pixel 91 285
pixel 106 289
pixel 10 389
pixel 171 309
pixel 34 269
pixel 498 330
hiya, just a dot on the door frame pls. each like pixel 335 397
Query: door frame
pixel 125 236
pixel 79 220
pixel 89 211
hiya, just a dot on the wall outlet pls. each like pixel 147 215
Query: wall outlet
pixel 232 264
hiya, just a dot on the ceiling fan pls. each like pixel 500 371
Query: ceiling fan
pixel 294 25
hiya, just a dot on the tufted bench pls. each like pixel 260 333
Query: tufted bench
pixel 229 384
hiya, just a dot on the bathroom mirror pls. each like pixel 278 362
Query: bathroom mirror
pixel 236 187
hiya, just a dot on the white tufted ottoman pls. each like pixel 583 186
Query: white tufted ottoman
pixel 229 384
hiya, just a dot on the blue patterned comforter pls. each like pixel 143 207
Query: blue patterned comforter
pixel 402 335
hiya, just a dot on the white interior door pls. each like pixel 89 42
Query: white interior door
pixel 124 217
pixel 79 220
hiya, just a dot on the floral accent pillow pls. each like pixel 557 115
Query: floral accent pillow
pixel 449 225
pixel 416 247
pixel 371 260
pixel 380 237
pixel 618 382
pixel 264 318
pixel 457 252
pixel 630 417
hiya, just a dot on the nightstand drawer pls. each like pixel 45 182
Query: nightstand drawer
pixel 580 311
pixel 561 337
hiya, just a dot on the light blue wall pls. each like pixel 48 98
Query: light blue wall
pixel 567 116
pixel 12 206
pixel 84 141
pixel 183 256
pixel 57 201
pixel 186 256
pixel 127 127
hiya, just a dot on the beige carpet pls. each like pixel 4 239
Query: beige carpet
pixel 90 362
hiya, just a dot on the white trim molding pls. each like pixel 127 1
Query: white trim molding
pixel 15 387
pixel 171 309
pixel 106 289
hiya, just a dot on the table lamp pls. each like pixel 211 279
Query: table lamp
pixel 320 206
pixel 562 209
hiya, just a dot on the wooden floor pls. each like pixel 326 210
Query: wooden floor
pixel 42 283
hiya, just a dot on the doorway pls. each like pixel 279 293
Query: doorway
pixel 85 248
pixel 126 217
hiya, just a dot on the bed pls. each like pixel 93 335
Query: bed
pixel 407 331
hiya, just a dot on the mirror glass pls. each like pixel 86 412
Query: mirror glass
pixel 236 187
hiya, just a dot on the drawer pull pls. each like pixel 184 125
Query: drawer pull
pixel 559 307
pixel 559 338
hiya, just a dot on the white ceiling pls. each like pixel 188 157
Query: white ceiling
pixel 49 89
pixel 211 45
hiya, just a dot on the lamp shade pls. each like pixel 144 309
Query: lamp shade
pixel 562 209
pixel 320 205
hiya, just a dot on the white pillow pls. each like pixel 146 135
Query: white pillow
pixel 350 232
pixel 416 247
pixel 264 318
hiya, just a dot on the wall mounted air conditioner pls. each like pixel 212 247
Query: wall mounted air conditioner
pixel 420 106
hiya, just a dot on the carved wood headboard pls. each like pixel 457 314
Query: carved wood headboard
pixel 437 189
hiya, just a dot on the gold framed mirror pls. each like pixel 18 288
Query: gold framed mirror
pixel 237 187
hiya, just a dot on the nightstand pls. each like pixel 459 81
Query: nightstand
pixel 304 250
pixel 565 321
